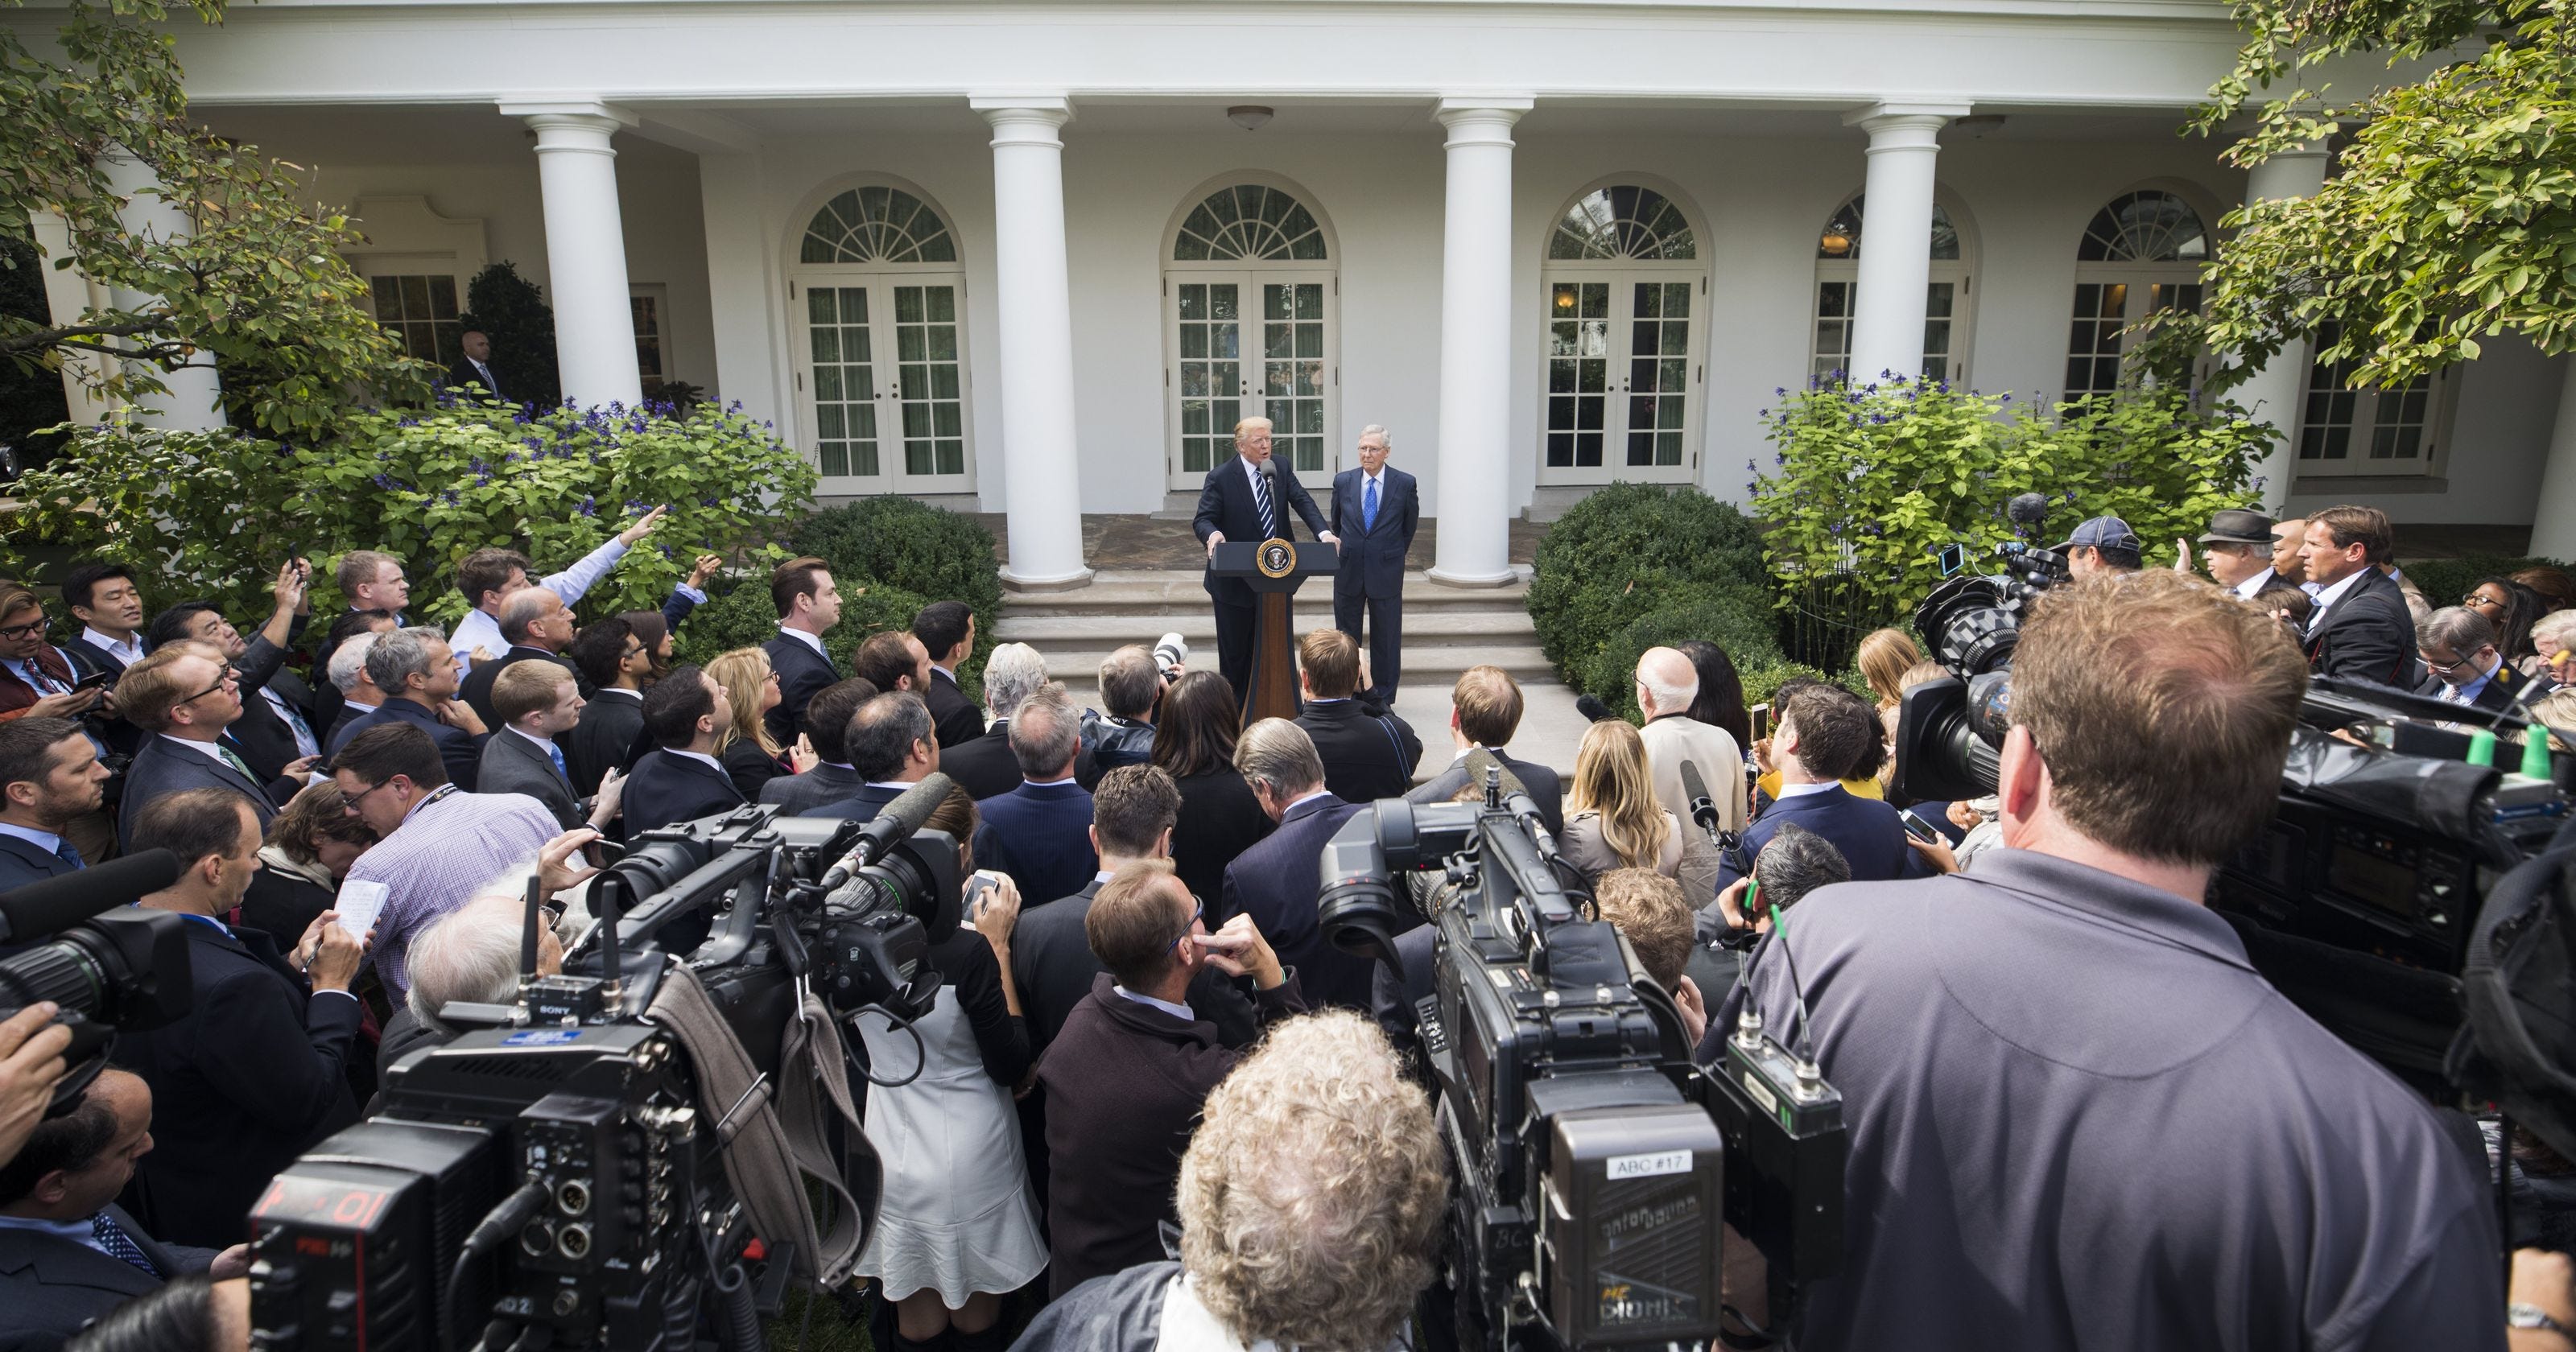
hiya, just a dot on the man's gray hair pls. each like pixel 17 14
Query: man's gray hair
pixel 470 954
pixel 1795 862
pixel 398 654
pixel 2457 628
pixel 1671 681
pixel 522 608
pixel 1129 681
pixel 1010 674
pixel 350 659
pixel 2558 626
pixel 882 733
pixel 1378 430
pixel 1277 753
pixel 1044 732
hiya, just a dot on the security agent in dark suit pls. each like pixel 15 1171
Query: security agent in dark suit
pixel 538 702
pixel 1276 881
pixel 417 671
pixel 1825 735
pixel 947 632
pixel 68 1253
pixel 1248 499
pixel 1040 833
pixel 612 656
pixel 834 775
pixel 1367 752
pixel 49 776
pixel 539 627
pixel 809 604
pixel 1375 512
pixel 683 780
pixel 1484 711
pixel 186 700
pixel 257 1071
pixel 2360 627
pixel 2459 652
pixel 892 747
pixel 473 372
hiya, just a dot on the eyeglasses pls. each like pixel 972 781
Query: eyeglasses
pixel 231 672
pixel 771 677
pixel 2453 665
pixel 2472 599
pixel 636 651
pixel 1198 912
pixel 28 630
pixel 351 801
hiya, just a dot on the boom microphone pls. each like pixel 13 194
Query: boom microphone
pixel 1703 809
pixel 892 823
pixel 42 908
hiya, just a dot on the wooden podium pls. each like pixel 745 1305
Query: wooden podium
pixel 1273 569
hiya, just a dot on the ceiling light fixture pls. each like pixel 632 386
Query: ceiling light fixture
pixel 1249 116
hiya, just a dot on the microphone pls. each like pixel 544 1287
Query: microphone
pixel 1516 798
pixel 1593 709
pixel 38 909
pixel 892 823
pixel 1703 809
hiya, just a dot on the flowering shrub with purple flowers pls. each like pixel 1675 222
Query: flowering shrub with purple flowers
pixel 428 486
pixel 1868 483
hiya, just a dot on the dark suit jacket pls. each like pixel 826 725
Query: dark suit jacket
pixel 1276 882
pixel 1545 789
pixel 860 804
pixel 957 718
pixel 2368 635
pixel 463 375
pixel 248 1081
pixel 2495 698
pixel 459 750
pixel 802 674
pixel 341 723
pixel 751 768
pixel 610 726
pixel 1052 963
pixel 1219 820
pixel 54 1286
pixel 1866 830
pixel 1372 562
pixel 280 903
pixel 985 767
pixel 88 659
pixel 1226 504
pixel 1367 756
pixel 513 764
pixel 1039 835
pixel 476 689
pixel 1124 1084
pixel 22 863
pixel 815 787
pixel 665 788
pixel 265 739
pixel 160 768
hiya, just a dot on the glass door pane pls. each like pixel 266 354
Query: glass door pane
pixel 1578 372
pixel 1658 371
pixel 933 410
pixel 1292 371
pixel 844 377
pixel 1208 343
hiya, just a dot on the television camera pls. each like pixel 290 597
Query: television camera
pixel 108 967
pixel 642 1152
pixel 1594 1161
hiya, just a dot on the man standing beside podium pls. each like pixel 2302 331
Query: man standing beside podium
pixel 1382 503
pixel 1248 499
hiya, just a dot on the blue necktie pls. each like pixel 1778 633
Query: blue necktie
pixel 555 754
pixel 118 1244
pixel 1368 507
pixel 63 851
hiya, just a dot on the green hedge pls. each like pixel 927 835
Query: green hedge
pixel 1744 632
pixel 1632 551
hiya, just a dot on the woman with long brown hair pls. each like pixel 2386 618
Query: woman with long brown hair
pixel 1194 743
pixel 1612 820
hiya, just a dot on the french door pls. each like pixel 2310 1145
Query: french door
pixel 1623 378
pixel 881 382
pixel 1247 345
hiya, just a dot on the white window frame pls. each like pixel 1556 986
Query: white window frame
pixel 2141 279
pixel 659 294
pixel 1623 276
pixel 1958 272
pixel 2431 446
pixel 1252 274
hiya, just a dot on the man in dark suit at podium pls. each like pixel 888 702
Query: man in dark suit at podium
pixel 1247 500
pixel 1376 510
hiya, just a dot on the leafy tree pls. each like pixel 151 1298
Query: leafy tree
pixel 257 284
pixel 29 400
pixel 2452 214
pixel 510 311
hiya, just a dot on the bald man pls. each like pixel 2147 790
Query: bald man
pixel 1666 685
pixel 539 627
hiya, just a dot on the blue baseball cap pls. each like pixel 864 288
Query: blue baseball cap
pixel 2103 532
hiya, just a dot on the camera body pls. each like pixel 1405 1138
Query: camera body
pixel 558 1171
pixel 78 941
pixel 1594 1162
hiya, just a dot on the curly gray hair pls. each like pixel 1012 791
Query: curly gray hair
pixel 1011 672
pixel 1312 1195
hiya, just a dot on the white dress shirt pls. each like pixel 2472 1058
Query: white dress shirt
pixel 811 640
pixel 2253 586
pixel 129 651
pixel 2327 596
pixel 480 630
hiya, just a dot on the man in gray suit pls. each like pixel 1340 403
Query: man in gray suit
pixel 68 1253
pixel 538 702
pixel 186 698
pixel 1484 711
pixel 827 721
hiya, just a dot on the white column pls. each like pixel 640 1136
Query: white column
pixel 742 287
pixel 2278 393
pixel 69 294
pixel 2553 525
pixel 585 247
pixel 1896 237
pixel 193 396
pixel 1476 343
pixel 1041 469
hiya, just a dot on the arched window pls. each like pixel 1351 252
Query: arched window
pixel 2142 252
pixel 881 372
pixel 1946 299
pixel 1249 300
pixel 1620 287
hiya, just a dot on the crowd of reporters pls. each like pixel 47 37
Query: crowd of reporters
pixel 1154 1093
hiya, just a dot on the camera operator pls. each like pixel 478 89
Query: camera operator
pixel 50 776
pixel 68 1253
pixel 1647 908
pixel 1311 1202
pixel 31 1064
pixel 2077 1114
pixel 1131 685
pixel 1126 1075
pixel 256 1073
pixel 1828 735
pixel 471 954
pixel 2099 546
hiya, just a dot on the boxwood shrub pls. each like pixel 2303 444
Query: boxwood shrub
pixel 1628 552
pixel 1745 634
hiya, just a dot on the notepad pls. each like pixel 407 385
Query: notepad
pixel 359 904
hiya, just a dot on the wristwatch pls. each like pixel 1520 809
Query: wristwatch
pixel 2518 1315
